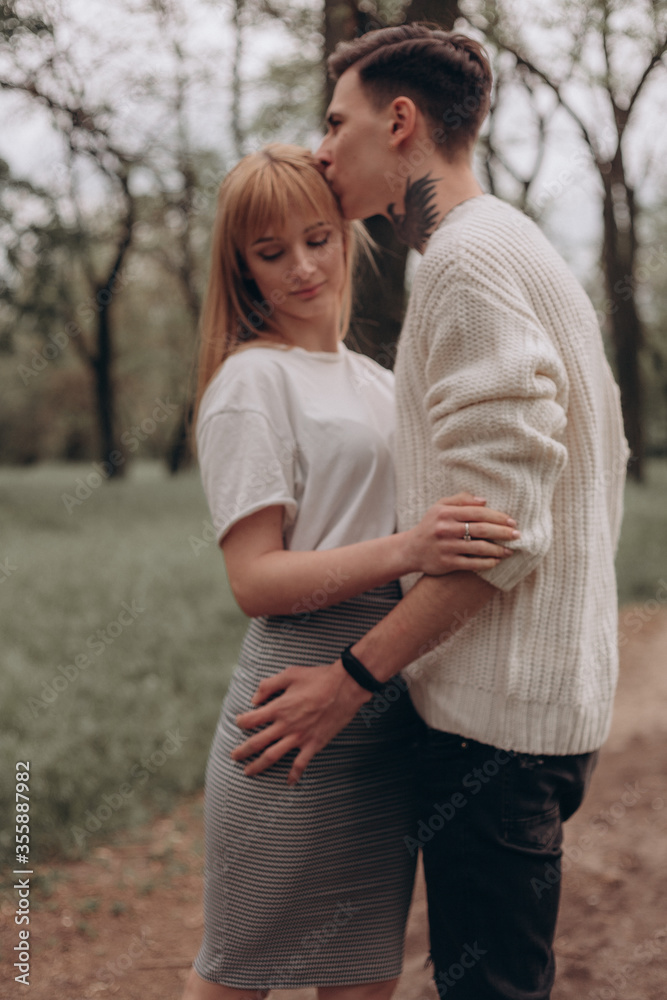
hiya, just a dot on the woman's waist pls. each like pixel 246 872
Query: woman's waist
pixel 317 629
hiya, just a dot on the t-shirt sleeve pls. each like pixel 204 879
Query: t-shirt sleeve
pixel 497 404
pixel 246 464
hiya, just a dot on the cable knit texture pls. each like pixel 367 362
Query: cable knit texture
pixel 503 389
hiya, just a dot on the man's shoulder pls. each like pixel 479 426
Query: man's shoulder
pixel 483 222
pixel 488 241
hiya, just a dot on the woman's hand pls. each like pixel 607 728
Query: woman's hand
pixel 439 544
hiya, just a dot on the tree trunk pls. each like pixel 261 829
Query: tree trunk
pixel 619 251
pixel 339 25
pixel 104 395
pixel 179 451
pixel 440 12
pixel 237 127
pixel 102 361
pixel 379 300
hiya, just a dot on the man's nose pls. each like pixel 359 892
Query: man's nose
pixel 322 155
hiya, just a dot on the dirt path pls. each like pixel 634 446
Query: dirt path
pixel 127 922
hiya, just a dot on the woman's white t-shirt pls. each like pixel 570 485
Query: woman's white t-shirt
pixel 309 430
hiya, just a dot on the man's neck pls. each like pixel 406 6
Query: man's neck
pixel 428 196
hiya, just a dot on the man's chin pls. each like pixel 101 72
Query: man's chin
pixel 346 209
pixel 339 200
pixel 350 211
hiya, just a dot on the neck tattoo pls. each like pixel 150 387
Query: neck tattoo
pixel 421 214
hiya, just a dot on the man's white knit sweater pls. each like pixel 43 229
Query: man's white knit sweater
pixel 503 390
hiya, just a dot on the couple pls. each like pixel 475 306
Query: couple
pixel 329 768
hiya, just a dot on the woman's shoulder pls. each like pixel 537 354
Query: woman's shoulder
pixel 258 354
pixel 367 371
pixel 249 379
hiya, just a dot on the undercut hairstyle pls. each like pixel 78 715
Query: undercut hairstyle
pixel 446 74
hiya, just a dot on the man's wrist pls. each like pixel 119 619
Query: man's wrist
pixel 357 670
pixel 348 686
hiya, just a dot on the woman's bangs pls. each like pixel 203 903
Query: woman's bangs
pixel 279 192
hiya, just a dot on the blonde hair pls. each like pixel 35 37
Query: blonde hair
pixel 262 190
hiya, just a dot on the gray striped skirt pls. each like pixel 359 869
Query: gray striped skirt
pixel 310 885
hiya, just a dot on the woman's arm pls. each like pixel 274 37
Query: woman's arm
pixel 267 579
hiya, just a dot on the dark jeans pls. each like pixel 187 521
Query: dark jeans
pixel 490 825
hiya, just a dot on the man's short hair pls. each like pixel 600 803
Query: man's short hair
pixel 446 74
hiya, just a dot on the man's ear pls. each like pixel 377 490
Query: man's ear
pixel 403 121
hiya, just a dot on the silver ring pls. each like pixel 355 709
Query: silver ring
pixel 466 537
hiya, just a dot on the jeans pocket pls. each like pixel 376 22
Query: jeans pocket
pixel 531 815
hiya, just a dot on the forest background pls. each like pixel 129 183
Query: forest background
pixel 119 121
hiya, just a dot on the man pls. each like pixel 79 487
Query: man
pixel 502 388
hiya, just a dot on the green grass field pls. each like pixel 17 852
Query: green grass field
pixel 119 638
pixel 119 635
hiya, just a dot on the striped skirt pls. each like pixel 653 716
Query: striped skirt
pixel 310 885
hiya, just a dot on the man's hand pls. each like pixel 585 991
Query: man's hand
pixel 316 703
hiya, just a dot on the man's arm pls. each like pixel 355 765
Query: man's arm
pixel 429 614
pixel 319 701
pixel 496 403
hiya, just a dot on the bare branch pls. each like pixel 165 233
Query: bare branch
pixel 523 60
pixel 655 59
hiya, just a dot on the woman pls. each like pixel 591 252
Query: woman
pixel 306 885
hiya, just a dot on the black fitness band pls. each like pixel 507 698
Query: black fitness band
pixel 358 671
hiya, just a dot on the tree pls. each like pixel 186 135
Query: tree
pixel 45 75
pixel 602 57
pixel 136 151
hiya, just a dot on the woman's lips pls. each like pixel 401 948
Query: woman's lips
pixel 307 293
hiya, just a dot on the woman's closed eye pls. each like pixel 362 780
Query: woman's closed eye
pixel 315 243
pixel 272 256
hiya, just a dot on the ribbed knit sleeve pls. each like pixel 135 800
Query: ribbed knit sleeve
pixel 503 390
pixel 497 403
